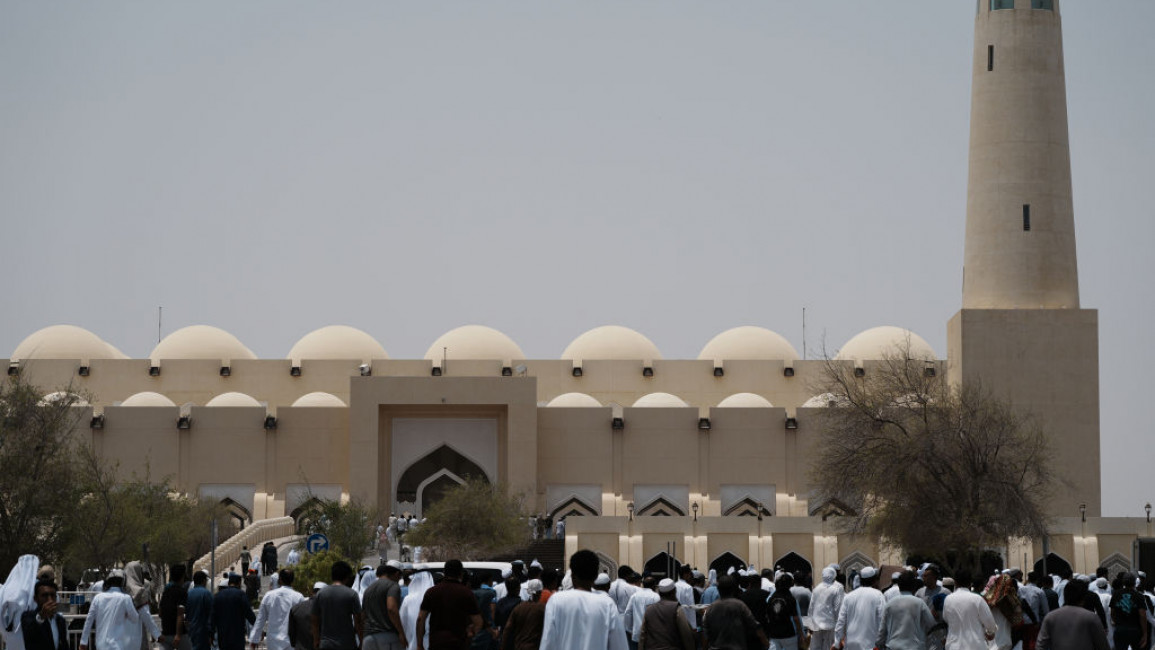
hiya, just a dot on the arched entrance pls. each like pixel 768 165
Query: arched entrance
pixel 238 514
pixel 663 565
pixel 304 513
pixel 425 481
pixel 797 566
pixel 1056 565
pixel 726 561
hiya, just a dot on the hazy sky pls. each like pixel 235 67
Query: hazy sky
pixel 270 167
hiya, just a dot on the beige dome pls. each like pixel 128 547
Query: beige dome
pixel 61 396
pixel 337 342
pixel 476 342
pixel 147 398
pixel 745 400
pixel 201 342
pixel 748 342
pixel 320 399
pixel 611 343
pixel 572 400
pixel 233 399
pixel 879 342
pixel 659 400
pixel 65 342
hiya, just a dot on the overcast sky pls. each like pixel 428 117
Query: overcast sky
pixel 270 167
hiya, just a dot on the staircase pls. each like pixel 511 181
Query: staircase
pixel 549 552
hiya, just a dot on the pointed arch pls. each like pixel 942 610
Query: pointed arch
pixel 434 488
pixel 663 565
pixel 795 565
pixel 304 513
pixel 1056 565
pixel 442 458
pixel 607 564
pixel 239 515
pixel 856 561
pixel 660 507
pixel 724 562
pixel 574 506
pixel 827 508
pixel 1115 564
pixel 747 507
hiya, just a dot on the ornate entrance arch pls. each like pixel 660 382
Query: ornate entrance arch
pixel 425 481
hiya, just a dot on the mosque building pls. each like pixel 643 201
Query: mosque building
pixel 704 459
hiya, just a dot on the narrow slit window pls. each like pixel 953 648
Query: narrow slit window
pixel 990 58
pixel 1002 4
pixel 1026 218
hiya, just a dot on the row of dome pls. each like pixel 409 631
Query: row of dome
pixel 470 342
pixel 567 400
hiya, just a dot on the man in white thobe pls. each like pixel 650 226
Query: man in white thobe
pixel 635 612
pixel 579 619
pixel 621 589
pixel 685 593
pixel 113 618
pixel 861 614
pixel 970 624
pixel 893 592
pixel 294 557
pixel 824 606
pixel 17 596
pixel 274 612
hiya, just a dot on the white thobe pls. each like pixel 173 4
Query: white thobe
pixel 499 591
pixel 294 558
pixel 968 619
pixel 685 593
pixel 274 611
pixel 621 591
pixel 859 618
pixel 892 593
pixel 636 611
pixel 581 620
pixel 824 606
pixel 116 622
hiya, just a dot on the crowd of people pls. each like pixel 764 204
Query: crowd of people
pixel 417 607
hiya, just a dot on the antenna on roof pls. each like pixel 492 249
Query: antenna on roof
pixel 159 314
pixel 803 333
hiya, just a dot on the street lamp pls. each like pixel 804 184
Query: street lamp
pixel 1148 509
pixel 630 508
pixel 1083 511
pixel 695 508
pixel 759 511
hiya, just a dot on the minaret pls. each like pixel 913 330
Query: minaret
pixel 1020 228
pixel 1021 333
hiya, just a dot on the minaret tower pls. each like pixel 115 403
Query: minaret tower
pixel 1021 332
pixel 1020 229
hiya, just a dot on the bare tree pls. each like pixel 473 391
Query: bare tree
pixel 940 471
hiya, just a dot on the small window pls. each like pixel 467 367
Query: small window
pixel 1003 4
pixel 990 58
pixel 1026 218
pixel 1049 5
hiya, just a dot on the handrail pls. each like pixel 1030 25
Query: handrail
pixel 265 530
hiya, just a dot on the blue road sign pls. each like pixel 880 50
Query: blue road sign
pixel 317 543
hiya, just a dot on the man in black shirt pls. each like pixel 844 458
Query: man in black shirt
pixel 455 615
pixel 173 633
pixel 337 620
pixel 231 609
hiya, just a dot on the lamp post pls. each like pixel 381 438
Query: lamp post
pixel 630 508
pixel 1148 509
pixel 1083 511
pixel 695 509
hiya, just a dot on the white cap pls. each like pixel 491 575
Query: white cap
pixel 534 586
pixel 535 563
pixel 665 586
pixel 603 579
pixel 1101 583
pixel 115 573
pixel 896 575
pixel 317 586
pixel 394 564
pixel 506 574
pixel 868 573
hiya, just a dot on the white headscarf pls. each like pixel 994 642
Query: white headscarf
pixel 567 581
pixel 367 578
pixel 828 575
pixel 136 585
pixel 16 597
pixel 712 578
pixel 411 607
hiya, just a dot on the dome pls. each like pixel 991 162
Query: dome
pixel 659 400
pixel 748 342
pixel 147 398
pixel 200 342
pixel 337 342
pixel 474 342
pixel 745 400
pixel 61 396
pixel 233 399
pixel 318 398
pixel 877 343
pixel 611 343
pixel 824 400
pixel 571 400
pixel 64 342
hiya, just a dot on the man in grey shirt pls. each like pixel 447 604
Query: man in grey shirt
pixel 906 619
pixel 1071 627
pixel 337 621
pixel 936 638
pixel 382 605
